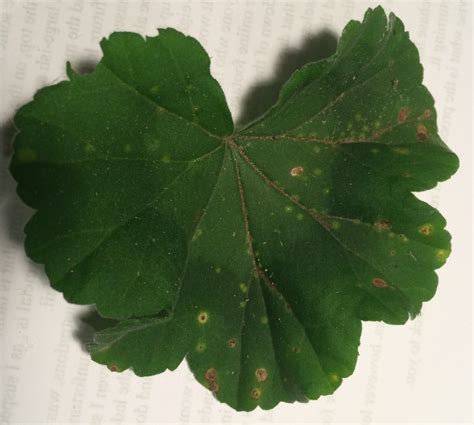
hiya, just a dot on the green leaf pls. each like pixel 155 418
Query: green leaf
pixel 255 253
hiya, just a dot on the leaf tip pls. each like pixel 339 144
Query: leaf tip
pixel 171 32
pixel 71 74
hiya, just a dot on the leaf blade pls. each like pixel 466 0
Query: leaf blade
pixel 255 254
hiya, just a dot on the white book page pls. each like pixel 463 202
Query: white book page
pixel 417 373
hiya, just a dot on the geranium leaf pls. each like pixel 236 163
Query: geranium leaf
pixel 255 253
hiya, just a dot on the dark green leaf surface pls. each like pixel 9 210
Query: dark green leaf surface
pixel 256 253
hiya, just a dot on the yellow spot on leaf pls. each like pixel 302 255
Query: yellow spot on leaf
pixel 442 254
pixel 243 287
pixel 200 347
pixel 203 317
pixel 89 148
pixel 255 393
pixel 317 171
pixel 401 150
pixel 402 237
pixel 334 378
pixel 26 155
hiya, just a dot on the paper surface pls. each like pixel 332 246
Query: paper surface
pixel 417 373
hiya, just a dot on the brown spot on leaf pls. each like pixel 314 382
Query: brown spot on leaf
pixel 211 377
pixel 232 343
pixel 214 387
pixel 403 114
pixel 113 367
pixel 255 393
pixel 261 374
pixel 379 283
pixel 382 224
pixel 426 229
pixel 211 374
pixel 296 171
pixel 296 349
pixel 421 132
pixel 426 114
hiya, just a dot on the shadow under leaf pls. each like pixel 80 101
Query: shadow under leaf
pixel 87 323
pixel 263 95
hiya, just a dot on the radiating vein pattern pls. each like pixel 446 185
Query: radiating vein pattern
pixel 254 254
